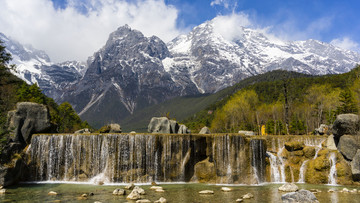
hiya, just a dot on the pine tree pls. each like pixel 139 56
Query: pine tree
pixel 348 103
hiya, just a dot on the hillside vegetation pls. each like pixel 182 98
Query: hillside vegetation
pixel 296 105
pixel 13 90
pixel 195 108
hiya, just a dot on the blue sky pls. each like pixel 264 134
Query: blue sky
pixel 74 29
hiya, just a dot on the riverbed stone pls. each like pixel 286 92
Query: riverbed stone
pixel 330 143
pixel 28 118
pixel 159 190
pixel 205 171
pixel 248 196
pixel 130 186
pixel 345 124
pixel 239 200
pixel 206 192
pixel 156 187
pixel 52 193
pixel 205 130
pixel 355 166
pixel 348 146
pixel 299 196
pixel 288 187
pixel 143 201
pixel 119 191
pixel 139 190
pixel 161 200
pixel 226 189
pixel 134 195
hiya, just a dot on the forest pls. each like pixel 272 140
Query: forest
pixel 294 106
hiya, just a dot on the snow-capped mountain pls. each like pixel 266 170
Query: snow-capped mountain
pixel 126 74
pixel 35 66
pixel 212 62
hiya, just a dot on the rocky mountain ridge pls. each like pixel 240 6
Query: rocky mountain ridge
pixel 133 71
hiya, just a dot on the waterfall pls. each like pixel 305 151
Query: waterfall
pixel 143 158
pixel 332 174
pixel 258 159
pixel 274 164
pixel 302 172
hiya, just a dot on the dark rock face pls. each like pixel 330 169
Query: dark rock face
pixel 294 146
pixel 355 166
pixel 27 119
pixel 299 196
pixel 164 125
pixel 346 124
pixel 10 175
pixel 348 146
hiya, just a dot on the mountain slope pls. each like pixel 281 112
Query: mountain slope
pixel 213 62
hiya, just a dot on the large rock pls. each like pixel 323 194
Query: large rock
pixel 355 166
pixel 111 128
pixel 299 196
pixel 330 143
pixel 28 118
pixel 348 146
pixel 163 125
pixel 183 129
pixel 322 129
pixel 10 175
pixel 204 130
pixel 288 187
pixel 205 171
pixel 345 124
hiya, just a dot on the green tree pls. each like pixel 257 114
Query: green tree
pixel 347 102
pixel 31 93
pixel 5 57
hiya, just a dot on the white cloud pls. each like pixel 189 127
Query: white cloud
pixel 83 27
pixel 220 2
pixel 346 43
pixel 230 26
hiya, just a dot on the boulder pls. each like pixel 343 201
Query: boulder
pixel 2 191
pixel 205 192
pixel 355 166
pixel 119 192
pixel 161 200
pixel 115 128
pixel 288 187
pixel 345 124
pixel 309 152
pixel 322 129
pixel 28 118
pixel 330 143
pixel 299 196
pixel 348 146
pixel 294 146
pixel 163 125
pixel 183 129
pixel 134 195
pixel 205 171
pixel 205 130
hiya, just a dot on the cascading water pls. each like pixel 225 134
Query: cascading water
pixel 302 172
pixel 122 158
pixel 332 174
pixel 275 172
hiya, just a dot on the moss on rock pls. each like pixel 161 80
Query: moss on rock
pixel 205 171
pixel 294 146
pixel 309 152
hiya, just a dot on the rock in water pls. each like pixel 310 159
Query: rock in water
pixel 206 192
pixel 248 196
pixel 355 166
pixel 134 195
pixel 143 201
pixel 299 196
pixel 139 190
pixel 119 192
pixel 225 189
pixel 345 124
pixel 52 193
pixel 130 186
pixel 348 145
pixel 156 187
pixel 161 200
pixel 204 130
pixel 28 118
pixel 239 200
pixel 288 187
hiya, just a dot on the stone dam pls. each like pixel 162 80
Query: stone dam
pixel 213 158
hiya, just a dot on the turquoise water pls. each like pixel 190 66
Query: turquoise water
pixel 173 193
